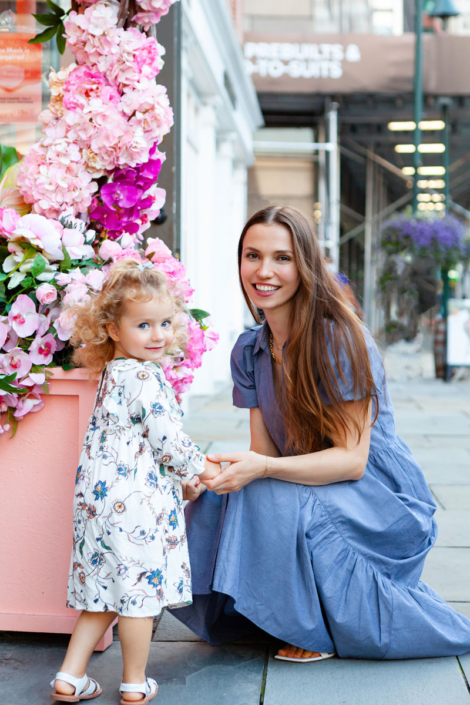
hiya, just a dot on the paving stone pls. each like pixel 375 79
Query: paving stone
pixel 349 682
pixel 187 673
pixel 454 527
pixel 230 446
pixel 452 496
pixel 447 571
pixel 456 475
pixel 465 663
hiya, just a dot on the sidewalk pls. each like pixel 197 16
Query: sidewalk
pixel 434 419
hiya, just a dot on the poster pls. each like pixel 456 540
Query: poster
pixel 458 332
pixel 20 79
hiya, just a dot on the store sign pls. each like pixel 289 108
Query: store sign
pixel 296 60
pixel 355 63
pixel 20 79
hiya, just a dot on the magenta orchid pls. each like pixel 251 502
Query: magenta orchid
pixel 42 350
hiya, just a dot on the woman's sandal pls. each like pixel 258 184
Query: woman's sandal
pixel 149 690
pixel 322 657
pixel 85 688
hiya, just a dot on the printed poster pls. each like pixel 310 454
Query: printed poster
pixel 20 79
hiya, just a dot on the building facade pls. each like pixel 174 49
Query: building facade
pixel 219 114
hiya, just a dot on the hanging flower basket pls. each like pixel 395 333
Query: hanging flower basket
pixel 424 236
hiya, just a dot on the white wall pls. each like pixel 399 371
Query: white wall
pixel 216 153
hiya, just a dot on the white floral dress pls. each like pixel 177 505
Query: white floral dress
pixel 130 550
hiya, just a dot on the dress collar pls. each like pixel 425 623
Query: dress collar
pixel 262 339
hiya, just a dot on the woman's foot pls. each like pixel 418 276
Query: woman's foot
pixel 290 651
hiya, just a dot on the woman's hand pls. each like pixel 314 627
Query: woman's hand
pixel 243 469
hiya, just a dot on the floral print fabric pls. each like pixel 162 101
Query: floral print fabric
pixel 130 550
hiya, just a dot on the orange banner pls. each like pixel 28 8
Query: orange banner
pixel 20 79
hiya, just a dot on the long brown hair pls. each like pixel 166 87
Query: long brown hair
pixel 320 320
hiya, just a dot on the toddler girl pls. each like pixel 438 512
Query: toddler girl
pixel 130 556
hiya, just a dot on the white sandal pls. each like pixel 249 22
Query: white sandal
pixel 149 690
pixel 322 657
pixel 85 688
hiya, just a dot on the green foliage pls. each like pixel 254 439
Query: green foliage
pixel 39 265
pixel 6 386
pixel 8 157
pixel 54 22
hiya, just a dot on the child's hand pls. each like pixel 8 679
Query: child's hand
pixel 212 470
pixel 193 488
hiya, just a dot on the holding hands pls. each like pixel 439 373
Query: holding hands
pixel 243 468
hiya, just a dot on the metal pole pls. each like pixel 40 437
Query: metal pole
pixel 418 97
pixel 334 186
pixel 367 295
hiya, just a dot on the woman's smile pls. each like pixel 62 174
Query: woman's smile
pixel 265 289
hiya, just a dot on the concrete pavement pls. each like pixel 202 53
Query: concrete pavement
pixel 434 419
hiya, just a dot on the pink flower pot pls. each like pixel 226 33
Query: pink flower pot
pixel 37 479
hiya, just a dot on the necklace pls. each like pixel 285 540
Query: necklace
pixel 271 347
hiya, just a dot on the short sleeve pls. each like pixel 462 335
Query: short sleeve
pixel 243 373
pixel 342 369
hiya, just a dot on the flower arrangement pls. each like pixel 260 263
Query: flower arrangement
pixel 83 196
pixel 425 236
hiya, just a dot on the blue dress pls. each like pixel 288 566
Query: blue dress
pixel 331 568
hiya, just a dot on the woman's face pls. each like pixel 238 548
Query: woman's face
pixel 268 270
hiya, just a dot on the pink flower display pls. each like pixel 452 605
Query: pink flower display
pixel 97 162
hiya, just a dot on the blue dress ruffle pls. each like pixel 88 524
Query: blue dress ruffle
pixel 330 568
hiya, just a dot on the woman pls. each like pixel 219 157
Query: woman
pixel 319 533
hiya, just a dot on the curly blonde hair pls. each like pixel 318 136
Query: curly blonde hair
pixel 125 282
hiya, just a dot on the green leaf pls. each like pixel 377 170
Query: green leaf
pixel 61 42
pixel 12 421
pixel 80 546
pixel 59 11
pixel 8 157
pixel 198 314
pixel 66 262
pixel 38 266
pixel 5 385
pixel 68 366
pixel 48 19
pixel 27 281
pixel 44 36
pixel 2 292
pixel 3 276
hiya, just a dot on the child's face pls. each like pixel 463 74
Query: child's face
pixel 145 330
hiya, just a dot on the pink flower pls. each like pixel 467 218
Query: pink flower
pixel 23 317
pixel 109 249
pixel 42 350
pixel 152 11
pixel 83 85
pixel 9 219
pixel 41 233
pixel 4 329
pixel 76 292
pixel 63 279
pixel 11 341
pixel 95 279
pixel 64 324
pixel 16 361
pixel 28 403
pixel 211 338
pixel 179 377
pixel 195 345
pixel 46 293
pixel 74 243
pixel 158 249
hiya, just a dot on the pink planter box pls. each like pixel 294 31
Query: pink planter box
pixel 37 480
